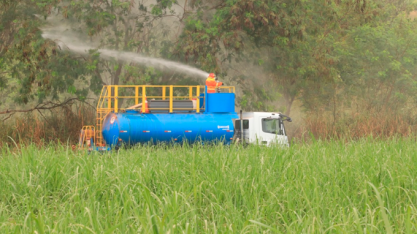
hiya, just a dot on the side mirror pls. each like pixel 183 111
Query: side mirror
pixel 285 118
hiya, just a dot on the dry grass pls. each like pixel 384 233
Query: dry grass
pixel 374 124
pixel 59 125
pixel 63 125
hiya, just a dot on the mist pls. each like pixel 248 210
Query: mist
pixel 68 40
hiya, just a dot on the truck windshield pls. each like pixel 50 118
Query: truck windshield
pixel 272 126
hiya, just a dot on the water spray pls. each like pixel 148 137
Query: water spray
pixel 70 44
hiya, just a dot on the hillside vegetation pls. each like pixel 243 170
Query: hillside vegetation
pixel 333 63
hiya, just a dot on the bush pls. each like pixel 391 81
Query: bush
pixel 59 125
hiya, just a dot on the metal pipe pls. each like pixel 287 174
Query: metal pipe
pixel 116 100
pixel 109 97
pixel 190 93
pixel 164 93
pixel 241 128
pixel 171 98
pixel 136 95
pixel 198 100
pixel 206 108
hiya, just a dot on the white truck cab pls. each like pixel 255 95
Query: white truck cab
pixel 264 128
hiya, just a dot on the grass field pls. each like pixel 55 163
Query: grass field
pixel 367 186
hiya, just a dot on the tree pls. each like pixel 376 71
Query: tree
pixel 272 26
pixel 381 66
pixel 121 25
pixel 33 68
pixel 301 44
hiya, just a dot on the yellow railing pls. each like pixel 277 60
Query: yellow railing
pixel 112 94
pixel 102 112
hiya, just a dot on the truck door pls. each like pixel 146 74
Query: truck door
pixel 273 130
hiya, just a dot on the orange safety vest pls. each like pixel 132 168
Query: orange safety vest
pixel 145 108
pixel 212 85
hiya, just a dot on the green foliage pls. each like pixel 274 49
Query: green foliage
pixel 122 25
pixel 382 60
pixel 358 187
pixel 308 48
pixel 32 68
pixel 328 55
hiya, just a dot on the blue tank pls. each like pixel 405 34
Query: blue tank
pixel 214 124
pixel 132 128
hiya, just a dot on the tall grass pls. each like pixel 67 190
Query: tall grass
pixel 380 124
pixel 58 125
pixel 368 186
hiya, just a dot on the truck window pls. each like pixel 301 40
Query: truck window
pixel 245 124
pixel 271 126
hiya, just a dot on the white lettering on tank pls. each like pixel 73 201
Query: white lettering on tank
pixel 223 127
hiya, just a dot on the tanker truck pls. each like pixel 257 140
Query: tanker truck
pixel 138 114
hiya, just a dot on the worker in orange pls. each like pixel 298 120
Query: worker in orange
pixel 145 108
pixel 212 83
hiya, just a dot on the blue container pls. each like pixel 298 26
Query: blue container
pixel 220 103
pixel 132 127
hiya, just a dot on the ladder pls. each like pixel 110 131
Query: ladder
pixel 102 112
